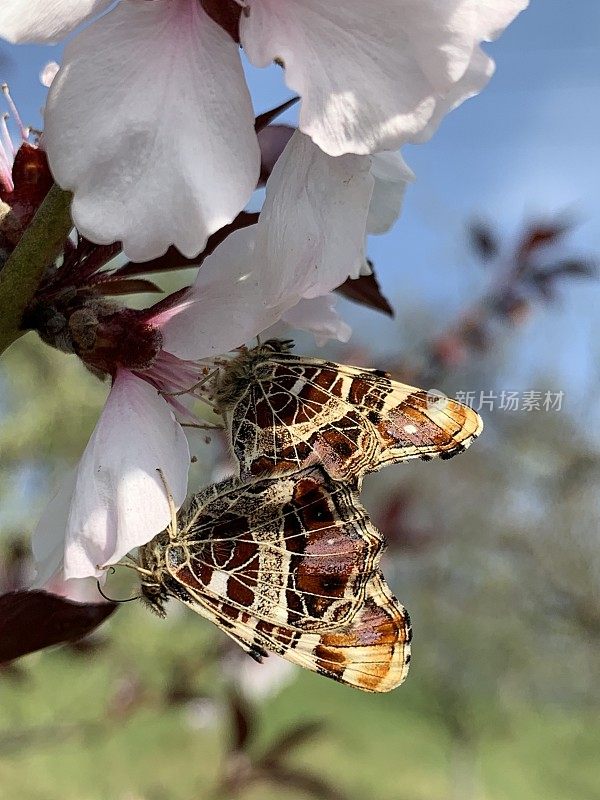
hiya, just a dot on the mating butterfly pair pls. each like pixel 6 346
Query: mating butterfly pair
pixel 285 558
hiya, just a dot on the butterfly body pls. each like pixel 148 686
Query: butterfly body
pixel 286 564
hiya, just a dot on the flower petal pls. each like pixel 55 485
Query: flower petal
pixel 227 305
pixel 150 123
pixel 48 540
pixel 118 501
pixel 48 73
pixel 372 76
pixel 478 73
pixel 311 230
pixel 392 175
pixel 318 316
pixel 44 21
pixel 308 240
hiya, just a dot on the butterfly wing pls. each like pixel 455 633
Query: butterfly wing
pixel 370 652
pixel 290 565
pixel 297 550
pixel 299 411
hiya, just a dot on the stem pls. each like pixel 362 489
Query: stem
pixel 38 247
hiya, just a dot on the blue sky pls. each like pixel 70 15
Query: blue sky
pixel 530 143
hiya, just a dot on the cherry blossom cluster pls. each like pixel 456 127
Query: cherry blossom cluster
pixel 149 123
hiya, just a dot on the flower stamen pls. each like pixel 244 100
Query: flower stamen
pixel 174 377
pixel 8 150
pixel 8 147
pixel 23 131
pixel 192 389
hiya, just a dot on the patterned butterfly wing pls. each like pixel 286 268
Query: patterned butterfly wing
pixel 370 652
pixel 284 412
pixel 289 565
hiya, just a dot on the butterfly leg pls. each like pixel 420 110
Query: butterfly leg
pixel 204 427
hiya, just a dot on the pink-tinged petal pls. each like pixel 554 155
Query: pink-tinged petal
pixel 311 230
pixel 372 75
pixel 392 175
pixel 119 501
pixel 227 305
pixel 150 123
pixel 318 316
pixel 48 540
pixel 44 20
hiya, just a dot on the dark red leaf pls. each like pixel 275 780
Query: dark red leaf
pixel 578 267
pixel 225 13
pixel 272 141
pixel 267 117
pixel 32 620
pixel 365 290
pixel 541 234
pixel 290 739
pixel 164 304
pixel 98 256
pixel 173 259
pixel 483 240
pixel 32 181
pixel 109 286
pixel 243 220
pixel 241 722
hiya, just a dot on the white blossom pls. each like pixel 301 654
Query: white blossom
pixel 149 121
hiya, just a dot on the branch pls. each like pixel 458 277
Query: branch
pixel 38 247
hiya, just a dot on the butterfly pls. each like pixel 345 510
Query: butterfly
pixel 283 412
pixel 286 564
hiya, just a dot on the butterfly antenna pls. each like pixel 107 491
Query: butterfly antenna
pixel 172 530
pixel 111 571
pixel 112 599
